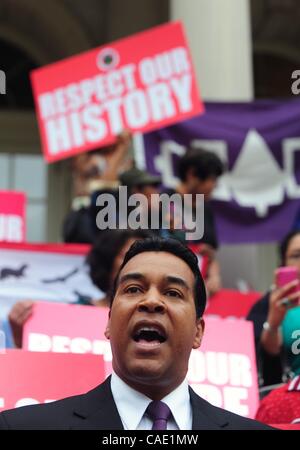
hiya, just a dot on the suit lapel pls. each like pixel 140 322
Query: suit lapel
pixel 97 410
pixel 205 416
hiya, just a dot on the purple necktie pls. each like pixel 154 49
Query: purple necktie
pixel 160 413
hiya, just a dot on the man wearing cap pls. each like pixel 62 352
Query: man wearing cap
pixel 141 182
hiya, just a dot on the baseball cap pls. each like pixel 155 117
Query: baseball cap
pixel 137 177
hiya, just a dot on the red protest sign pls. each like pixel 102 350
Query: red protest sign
pixel 223 369
pixel 140 83
pixel 12 216
pixel 28 378
pixel 231 303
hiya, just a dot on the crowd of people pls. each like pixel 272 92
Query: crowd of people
pixel 274 320
pixel 157 303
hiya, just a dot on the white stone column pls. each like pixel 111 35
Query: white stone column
pixel 219 35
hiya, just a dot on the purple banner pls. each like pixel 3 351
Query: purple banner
pixel 258 198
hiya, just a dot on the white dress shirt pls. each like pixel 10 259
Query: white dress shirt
pixel 132 405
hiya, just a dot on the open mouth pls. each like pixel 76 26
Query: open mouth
pixel 149 334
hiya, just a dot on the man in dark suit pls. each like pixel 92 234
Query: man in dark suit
pixel 155 321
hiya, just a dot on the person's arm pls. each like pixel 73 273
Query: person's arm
pixel 271 340
pixel 213 281
pixel 120 150
pixel 18 315
pixel 86 172
pixel 279 303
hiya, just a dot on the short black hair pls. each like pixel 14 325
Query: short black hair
pixel 106 247
pixel 173 246
pixel 205 164
pixel 285 243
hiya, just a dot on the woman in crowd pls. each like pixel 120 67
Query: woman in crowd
pixel 276 319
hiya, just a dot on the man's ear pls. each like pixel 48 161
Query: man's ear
pixel 200 325
pixel 107 332
pixel 107 329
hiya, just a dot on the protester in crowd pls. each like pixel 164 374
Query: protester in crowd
pixel 101 167
pixel 94 171
pixel 139 181
pixel 199 171
pixel 104 260
pixel 276 316
pixel 282 405
pixel 155 320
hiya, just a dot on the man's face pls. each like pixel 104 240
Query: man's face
pixel 153 325
pixel 197 186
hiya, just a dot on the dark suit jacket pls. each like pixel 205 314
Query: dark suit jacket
pixel 96 410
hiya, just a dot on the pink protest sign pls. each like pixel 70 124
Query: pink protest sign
pixel 140 83
pixel 28 378
pixel 12 216
pixel 223 370
pixel 64 328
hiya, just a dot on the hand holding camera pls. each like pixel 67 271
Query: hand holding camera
pixel 285 295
